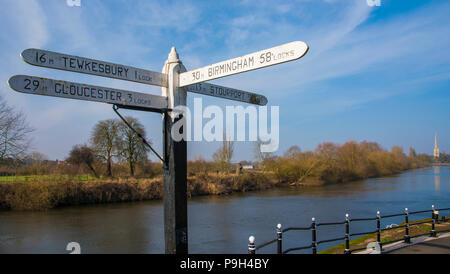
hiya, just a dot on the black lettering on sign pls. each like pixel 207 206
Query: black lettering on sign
pixel 40 58
pixel 196 75
pixel 57 88
pixel 93 94
pixel 27 86
pixel 85 91
pixel 65 61
pixel 35 84
pixel 80 65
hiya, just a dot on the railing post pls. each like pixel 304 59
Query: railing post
pixel 407 238
pixel 280 239
pixel 379 228
pixel 347 235
pixel 433 222
pixel 251 245
pixel 314 238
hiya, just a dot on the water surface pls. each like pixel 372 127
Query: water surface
pixel 222 224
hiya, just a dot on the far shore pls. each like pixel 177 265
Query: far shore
pixel 43 194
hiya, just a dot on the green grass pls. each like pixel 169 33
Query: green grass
pixel 29 178
pixel 386 236
pixel 354 242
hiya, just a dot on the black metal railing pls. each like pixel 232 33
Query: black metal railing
pixel 252 248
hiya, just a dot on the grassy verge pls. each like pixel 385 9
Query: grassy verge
pixel 387 236
pixel 31 178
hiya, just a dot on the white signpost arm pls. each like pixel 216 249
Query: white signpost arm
pixel 260 59
pixel 55 60
pixel 71 90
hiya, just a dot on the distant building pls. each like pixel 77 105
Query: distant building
pixel 244 165
pixel 436 149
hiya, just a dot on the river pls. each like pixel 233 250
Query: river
pixel 222 224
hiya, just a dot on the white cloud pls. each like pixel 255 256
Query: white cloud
pixel 24 22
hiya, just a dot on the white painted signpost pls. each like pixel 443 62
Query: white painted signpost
pixel 175 82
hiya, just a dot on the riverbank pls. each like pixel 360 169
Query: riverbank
pixel 42 193
pixel 329 163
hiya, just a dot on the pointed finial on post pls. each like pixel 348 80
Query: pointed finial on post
pixel 173 56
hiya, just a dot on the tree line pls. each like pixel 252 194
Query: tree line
pixel 334 163
pixel 112 142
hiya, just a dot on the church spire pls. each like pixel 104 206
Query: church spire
pixel 436 149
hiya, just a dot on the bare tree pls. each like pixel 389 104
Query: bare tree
pixel 105 142
pixel 14 133
pixel 223 155
pixel 82 154
pixel 131 146
pixel 293 152
pixel 36 157
pixel 261 156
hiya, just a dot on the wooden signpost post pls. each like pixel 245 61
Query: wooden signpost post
pixel 175 82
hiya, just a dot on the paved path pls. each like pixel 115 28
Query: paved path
pixel 429 246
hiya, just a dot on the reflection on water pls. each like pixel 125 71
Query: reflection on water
pixel 436 178
pixel 222 224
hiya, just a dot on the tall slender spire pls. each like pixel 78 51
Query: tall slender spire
pixel 436 149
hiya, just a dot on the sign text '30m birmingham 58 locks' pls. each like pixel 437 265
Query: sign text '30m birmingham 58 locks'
pixel 264 58
pixel 49 59
pixel 64 89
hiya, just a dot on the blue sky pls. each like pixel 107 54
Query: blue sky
pixel 372 73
